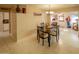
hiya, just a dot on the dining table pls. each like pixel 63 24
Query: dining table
pixel 50 30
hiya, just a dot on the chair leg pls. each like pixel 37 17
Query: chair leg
pixel 58 34
pixel 38 38
pixel 57 38
pixel 43 42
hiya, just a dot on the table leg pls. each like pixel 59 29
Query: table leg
pixel 38 38
pixel 49 38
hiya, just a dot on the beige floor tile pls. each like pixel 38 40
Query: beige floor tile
pixel 68 43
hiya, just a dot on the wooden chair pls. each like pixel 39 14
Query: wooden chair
pixel 55 30
pixel 43 35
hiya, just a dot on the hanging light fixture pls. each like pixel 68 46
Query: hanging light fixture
pixel 18 9
pixel 49 12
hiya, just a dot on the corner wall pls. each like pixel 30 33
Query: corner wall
pixel 27 22
pixel 13 23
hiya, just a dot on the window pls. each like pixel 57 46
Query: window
pixel 61 17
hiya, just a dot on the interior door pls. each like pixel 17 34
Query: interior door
pixel 6 21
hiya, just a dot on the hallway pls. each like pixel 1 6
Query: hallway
pixel 68 43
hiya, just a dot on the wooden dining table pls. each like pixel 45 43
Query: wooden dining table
pixel 51 31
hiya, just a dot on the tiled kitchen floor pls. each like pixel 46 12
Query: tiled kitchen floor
pixel 68 43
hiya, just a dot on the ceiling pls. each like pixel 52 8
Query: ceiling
pixel 10 5
pixel 53 6
pixel 43 6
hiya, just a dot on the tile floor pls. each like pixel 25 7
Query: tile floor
pixel 4 34
pixel 68 43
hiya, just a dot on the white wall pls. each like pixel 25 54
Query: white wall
pixel 27 23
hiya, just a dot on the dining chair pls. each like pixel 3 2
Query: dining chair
pixel 55 30
pixel 43 35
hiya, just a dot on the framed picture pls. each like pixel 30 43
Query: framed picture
pixel 20 9
pixel 23 10
pixel 37 14
pixel 61 18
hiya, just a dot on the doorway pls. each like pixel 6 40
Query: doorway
pixel 4 23
pixel 67 30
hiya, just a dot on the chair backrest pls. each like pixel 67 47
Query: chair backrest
pixel 54 24
pixel 41 32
